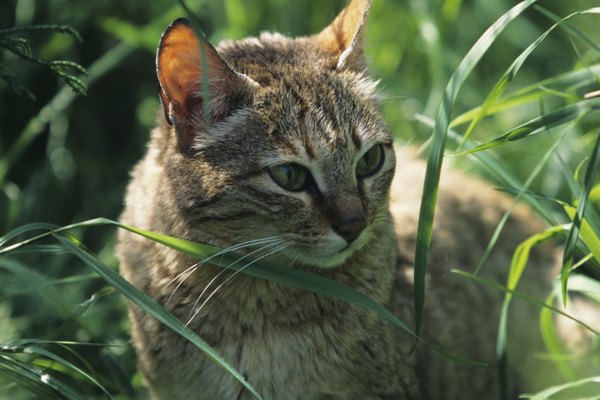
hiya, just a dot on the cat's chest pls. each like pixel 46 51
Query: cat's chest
pixel 288 343
pixel 301 362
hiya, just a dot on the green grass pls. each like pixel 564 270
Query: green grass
pixel 518 109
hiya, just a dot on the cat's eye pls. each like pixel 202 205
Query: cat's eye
pixel 370 163
pixel 292 177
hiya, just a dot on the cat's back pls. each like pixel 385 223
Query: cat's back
pixel 462 315
pixel 468 211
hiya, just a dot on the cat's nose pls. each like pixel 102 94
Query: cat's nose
pixel 350 229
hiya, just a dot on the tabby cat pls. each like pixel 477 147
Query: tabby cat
pixel 276 144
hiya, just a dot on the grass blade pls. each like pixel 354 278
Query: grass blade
pixel 511 72
pixel 575 187
pixel 48 354
pixel 292 277
pixel 23 229
pixel 587 233
pixel 540 124
pixel 39 284
pixel 438 144
pixel 522 296
pixel 585 286
pixel 563 83
pixel 501 171
pixel 569 252
pixel 548 393
pixel 36 380
pixel 517 266
pixel 573 31
pixel 521 192
pixel 552 341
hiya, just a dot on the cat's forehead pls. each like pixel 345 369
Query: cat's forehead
pixel 275 61
pixel 307 105
pixel 323 110
pixel 261 57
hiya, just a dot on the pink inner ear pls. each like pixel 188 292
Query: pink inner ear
pixel 178 64
pixel 180 74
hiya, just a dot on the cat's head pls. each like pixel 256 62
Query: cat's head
pixel 274 137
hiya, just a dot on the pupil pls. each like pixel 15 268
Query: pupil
pixel 289 172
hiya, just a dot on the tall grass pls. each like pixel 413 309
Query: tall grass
pixel 57 295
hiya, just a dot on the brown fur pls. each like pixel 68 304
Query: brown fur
pixel 278 100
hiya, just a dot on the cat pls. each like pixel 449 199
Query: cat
pixel 278 142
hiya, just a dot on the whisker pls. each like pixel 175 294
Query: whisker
pixel 190 270
pixel 225 269
pixel 179 275
pixel 231 277
pixel 228 249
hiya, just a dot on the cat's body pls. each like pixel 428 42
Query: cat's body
pixel 293 344
pixel 306 102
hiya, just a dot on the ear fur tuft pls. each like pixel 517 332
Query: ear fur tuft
pixel 344 37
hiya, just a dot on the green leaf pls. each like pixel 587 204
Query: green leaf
pixel 586 286
pixel 36 380
pixel 517 266
pixel 57 105
pixel 552 341
pixel 590 175
pixel 43 352
pixel 17 45
pixel 41 28
pixel 38 283
pixel 548 393
pixel 587 233
pixel 511 72
pixel 522 296
pixel 573 31
pixel 24 229
pixel 498 168
pixel 521 192
pixel 436 153
pixel 577 283
pixel 292 277
pixel 540 124
pixel 595 195
pixel 563 83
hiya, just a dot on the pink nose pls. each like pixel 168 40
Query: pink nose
pixel 350 230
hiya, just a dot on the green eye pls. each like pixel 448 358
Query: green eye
pixel 292 177
pixel 370 163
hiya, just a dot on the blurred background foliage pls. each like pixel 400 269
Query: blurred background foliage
pixel 75 167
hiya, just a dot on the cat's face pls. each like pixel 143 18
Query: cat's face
pixel 295 156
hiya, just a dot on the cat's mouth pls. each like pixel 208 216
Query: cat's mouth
pixel 328 253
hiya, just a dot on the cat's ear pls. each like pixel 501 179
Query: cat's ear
pixel 344 36
pixel 192 87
